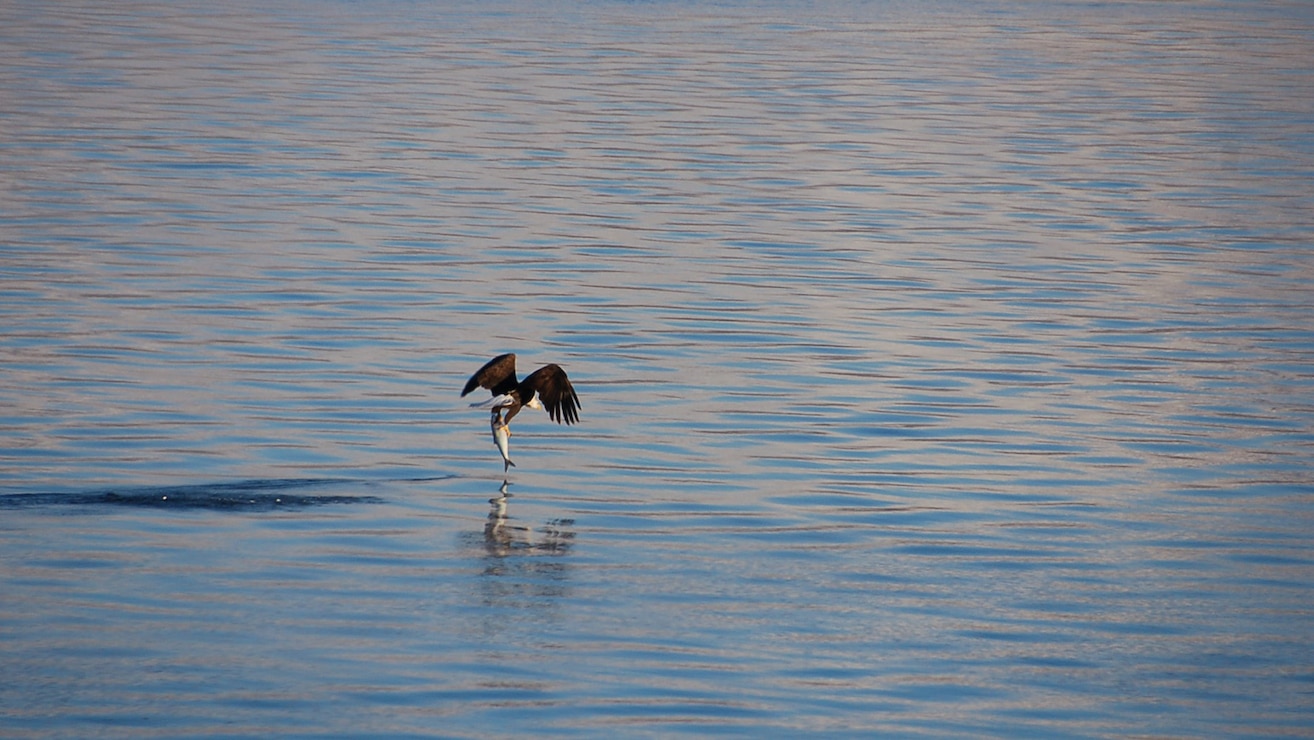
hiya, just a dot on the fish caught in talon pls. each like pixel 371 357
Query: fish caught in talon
pixel 502 438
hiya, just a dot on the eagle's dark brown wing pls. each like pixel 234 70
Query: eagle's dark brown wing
pixel 555 391
pixel 498 376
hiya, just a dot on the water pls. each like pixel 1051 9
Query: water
pixel 945 369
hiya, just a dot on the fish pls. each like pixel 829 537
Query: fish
pixel 502 438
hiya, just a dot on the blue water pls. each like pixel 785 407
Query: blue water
pixel 946 369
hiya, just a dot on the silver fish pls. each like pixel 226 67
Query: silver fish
pixel 502 438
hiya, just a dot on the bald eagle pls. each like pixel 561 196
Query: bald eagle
pixel 545 388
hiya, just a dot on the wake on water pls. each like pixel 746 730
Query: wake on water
pixel 248 495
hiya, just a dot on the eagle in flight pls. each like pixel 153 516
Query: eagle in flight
pixel 545 388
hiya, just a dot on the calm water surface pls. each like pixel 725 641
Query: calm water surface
pixel 947 369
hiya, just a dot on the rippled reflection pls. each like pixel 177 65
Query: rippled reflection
pixel 502 538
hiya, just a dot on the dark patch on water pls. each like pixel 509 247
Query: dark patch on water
pixel 248 495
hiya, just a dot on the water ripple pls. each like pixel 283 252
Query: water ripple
pixel 945 368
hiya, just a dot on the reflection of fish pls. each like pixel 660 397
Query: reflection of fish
pixel 502 438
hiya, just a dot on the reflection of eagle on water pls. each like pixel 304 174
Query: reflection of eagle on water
pixel 545 388
pixel 501 538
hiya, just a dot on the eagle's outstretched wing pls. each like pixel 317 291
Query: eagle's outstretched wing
pixel 554 391
pixel 498 376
